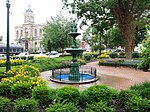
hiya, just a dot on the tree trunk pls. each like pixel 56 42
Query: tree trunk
pixel 126 24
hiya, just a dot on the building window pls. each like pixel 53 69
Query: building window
pixel 17 34
pixel 21 33
pixel 40 32
pixel 35 32
pixel 26 32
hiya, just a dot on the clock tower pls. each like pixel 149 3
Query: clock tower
pixel 28 16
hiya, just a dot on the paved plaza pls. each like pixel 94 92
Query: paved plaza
pixel 115 77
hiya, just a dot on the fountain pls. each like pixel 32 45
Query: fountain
pixel 74 74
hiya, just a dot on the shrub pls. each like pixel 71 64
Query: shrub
pixel 138 104
pixel 12 72
pixel 142 89
pixel 100 62
pixel 124 96
pixel 21 78
pixel 43 94
pixel 87 57
pixel 62 107
pixel 102 56
pixel 30 57
pixel 68 94
pixel 4 103
pixel 145 93
pixel 136 55
pixel 110 63
pixel 95 55
pixel 121 55
pixel 23 57
pixel 98 107
pixel 131 63
pixel 29 70
pixel 97 93
pixel 26 105
pixel 25 69
pixel 145 63
pixel 21 90
pixel 2 75
pixel 113 55
pixel 4 89
pixel 81 62
pixel 13 62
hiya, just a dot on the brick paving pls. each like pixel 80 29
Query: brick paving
pixel 115 77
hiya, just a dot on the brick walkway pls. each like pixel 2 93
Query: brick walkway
pixel 115 77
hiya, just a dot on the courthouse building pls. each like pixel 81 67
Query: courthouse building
pixel 29 34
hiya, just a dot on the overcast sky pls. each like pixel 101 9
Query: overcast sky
pixel 43 10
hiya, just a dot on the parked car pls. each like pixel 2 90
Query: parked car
pixel 52 53
pixel 23 54
pixel 118 50
pixel 2 56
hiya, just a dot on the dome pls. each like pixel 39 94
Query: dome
pixel 29 9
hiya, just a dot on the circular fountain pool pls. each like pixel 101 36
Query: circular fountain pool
pixel 87 75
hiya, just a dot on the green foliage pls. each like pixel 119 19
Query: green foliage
pixel 19 90
pixel 116 63
pixel 142 90
pixel 121 55
pixel 55 33
pixel 138 104
pixel 13 62
pixel 87 56
pixel 81 62
pixel 98 93
pixel 4 89
pixel 98 107
pixel 4 103
pixel 124 96
pixel 24 69
pixel 114 36
pixel 68 94
pixel 113 55
pixel 12 72
pixel 113 12
pixel 136 55
pixel 30 57
pixel 62 107
pixel 29 70
pixel 43 94
pixel 50 63
pixel 26 105
pixel 103 56
pixel 145 64
pixel 2 75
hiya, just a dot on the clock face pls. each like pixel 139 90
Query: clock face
pixel 29 19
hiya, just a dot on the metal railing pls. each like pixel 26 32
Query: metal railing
pixel 82 70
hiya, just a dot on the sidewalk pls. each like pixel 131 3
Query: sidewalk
pixel 115 77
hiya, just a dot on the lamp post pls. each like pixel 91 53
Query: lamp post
pixel 7 48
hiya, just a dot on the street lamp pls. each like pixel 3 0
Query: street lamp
pixel 7 48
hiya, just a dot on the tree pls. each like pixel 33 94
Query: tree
pixel 55 33
pixel 114 37
pixel 125 12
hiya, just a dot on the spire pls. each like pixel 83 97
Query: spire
pixel 29 9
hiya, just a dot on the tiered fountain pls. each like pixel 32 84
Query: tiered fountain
pixel 74 66
pixel 74 74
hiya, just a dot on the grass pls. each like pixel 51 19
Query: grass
pixel 57 59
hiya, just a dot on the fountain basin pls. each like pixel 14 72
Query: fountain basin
pixel 74 50
pixel 86 75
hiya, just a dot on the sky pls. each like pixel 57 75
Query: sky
pixel 43 10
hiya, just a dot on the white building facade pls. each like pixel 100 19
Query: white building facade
pixel 29 34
